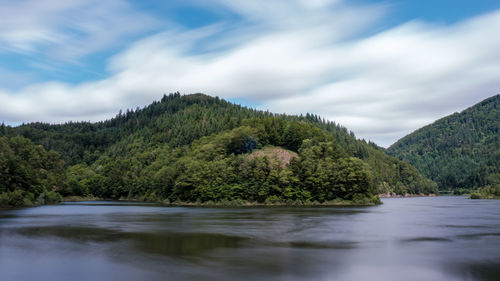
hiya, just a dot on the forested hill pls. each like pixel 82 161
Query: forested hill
pixel 459 151
pixel 176 120
pixel 200 148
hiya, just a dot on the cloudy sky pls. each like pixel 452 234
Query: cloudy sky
pixel 382 68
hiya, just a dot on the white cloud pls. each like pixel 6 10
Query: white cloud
pixel 68 30
pixel 295 57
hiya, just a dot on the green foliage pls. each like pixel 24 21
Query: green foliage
pixel 27 171
pixel 200 149
pixel 487 192
pixel 48 197
pixel 79 180
pixel 12 199
pixel 458 151
pixel 476 196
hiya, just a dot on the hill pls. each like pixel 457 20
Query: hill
pixel 458 151
pixel 199 148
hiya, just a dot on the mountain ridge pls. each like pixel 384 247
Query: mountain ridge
pixel 460 150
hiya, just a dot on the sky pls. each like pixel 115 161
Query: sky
pixel 381 68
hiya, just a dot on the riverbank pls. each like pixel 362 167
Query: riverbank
pixel 407 195
pixel 81 199
pixel 483 196
pixel 18 198
pixel 222 204
pixel 487 192
pixel 241 203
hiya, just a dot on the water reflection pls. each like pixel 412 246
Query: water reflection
pixel 445 238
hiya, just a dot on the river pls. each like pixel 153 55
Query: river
pixel 441 238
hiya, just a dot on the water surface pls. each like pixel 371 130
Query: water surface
pixel 443 238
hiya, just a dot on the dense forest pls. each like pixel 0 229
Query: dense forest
pixel 460 151
pixel 196 148
pixel 28 173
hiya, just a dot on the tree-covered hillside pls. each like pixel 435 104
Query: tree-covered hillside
pixel 459 151
pixel 28 173
pixel 176 120
pixel 199 148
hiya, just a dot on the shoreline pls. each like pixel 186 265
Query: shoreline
pixel 406 195
pixel 237 203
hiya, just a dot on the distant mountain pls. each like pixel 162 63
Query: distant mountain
pixel 199 148
pixel 458 151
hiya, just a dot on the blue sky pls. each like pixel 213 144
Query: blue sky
pixel 381 68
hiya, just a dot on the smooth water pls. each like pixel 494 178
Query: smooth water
pixel 443 238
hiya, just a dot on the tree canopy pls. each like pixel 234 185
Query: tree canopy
pixel 196 148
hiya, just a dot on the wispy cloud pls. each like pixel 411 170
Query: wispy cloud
pixel 68 30
pixel 296 56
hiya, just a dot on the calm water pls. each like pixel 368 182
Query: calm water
pixel 444 238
